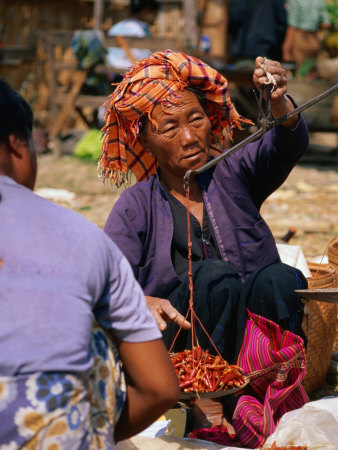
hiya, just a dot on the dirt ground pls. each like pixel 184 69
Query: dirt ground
pixel 308 200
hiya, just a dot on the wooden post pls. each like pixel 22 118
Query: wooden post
pixel 79 77
pixel 98 13
pixel 190 10
pixel 226 24
pixel 215 26
pixel 127 50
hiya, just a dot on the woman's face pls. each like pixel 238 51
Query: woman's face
pixel 181 141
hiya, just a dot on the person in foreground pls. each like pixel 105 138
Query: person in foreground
pixel 163 119
pixel 70 313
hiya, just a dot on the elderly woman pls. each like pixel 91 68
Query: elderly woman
pixel 163 119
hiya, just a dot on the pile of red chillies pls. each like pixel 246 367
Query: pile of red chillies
pixel 198 371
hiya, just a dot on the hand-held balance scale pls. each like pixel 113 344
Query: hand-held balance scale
pixel 327 295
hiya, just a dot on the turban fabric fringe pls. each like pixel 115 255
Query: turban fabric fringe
pixel 150 81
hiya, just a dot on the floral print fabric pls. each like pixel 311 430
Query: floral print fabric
pixel 57 411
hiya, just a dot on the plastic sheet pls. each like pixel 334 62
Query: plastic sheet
pixel 169 443
pixel 314 425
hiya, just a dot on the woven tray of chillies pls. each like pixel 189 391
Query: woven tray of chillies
pixel 203 375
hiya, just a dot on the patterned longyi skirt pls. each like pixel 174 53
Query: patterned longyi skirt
pixel 62 411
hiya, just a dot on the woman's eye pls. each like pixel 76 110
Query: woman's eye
pixel 194 119
pixel 166 130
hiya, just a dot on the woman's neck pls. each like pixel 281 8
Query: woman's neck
pixel 175 185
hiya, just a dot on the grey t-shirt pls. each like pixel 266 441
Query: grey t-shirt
pixel 57 272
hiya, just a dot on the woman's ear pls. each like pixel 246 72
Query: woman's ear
pixel 21 161
pixel 17 146
pixel 144 142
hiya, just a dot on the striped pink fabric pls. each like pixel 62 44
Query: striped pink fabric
pixel 275 360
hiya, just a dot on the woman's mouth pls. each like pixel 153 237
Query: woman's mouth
pixel 193 155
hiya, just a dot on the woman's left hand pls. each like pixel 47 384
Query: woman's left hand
pixel 272 72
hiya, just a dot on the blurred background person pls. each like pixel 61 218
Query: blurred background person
pixel 257 27
pixel 305 18
pixel 142 16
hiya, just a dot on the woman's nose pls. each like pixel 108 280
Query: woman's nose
pixel 188 136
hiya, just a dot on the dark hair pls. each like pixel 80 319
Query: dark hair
pixel 200 95
pixel 16 116
pixel 139 5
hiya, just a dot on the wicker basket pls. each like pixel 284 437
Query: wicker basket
pixel 333 260
pixel 332 253
pixel 319 325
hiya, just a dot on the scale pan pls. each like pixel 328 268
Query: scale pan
pixel 215 394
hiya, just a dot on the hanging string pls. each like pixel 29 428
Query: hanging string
pixel 191 310
pixel 181 326
pixel 325 251
pixel 191 284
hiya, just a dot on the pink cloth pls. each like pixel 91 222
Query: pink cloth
pixel 275 360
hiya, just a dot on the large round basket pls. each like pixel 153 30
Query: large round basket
pixel 319 325
pixel 333 260
pixel 332 253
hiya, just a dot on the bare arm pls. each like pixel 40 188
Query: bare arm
pixel 280 103
pixel 287 44
pixel 163 312
pixel 153 386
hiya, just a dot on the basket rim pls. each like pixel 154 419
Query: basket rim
pixel 322 269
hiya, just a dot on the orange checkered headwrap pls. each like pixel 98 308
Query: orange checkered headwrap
pixel 150 81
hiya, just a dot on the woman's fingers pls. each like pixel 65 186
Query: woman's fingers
pixel 270 72
pixel 163 312
pixel 174 316
pixel 264 66
pixel 154 305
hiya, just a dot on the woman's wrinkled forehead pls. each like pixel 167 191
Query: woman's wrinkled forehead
pixel 182 102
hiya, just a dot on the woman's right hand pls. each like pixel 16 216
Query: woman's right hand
pixel 164 312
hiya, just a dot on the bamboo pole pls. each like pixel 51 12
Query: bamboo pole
pixel 98 14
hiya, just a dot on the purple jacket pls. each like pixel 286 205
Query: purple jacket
pixel 141 223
